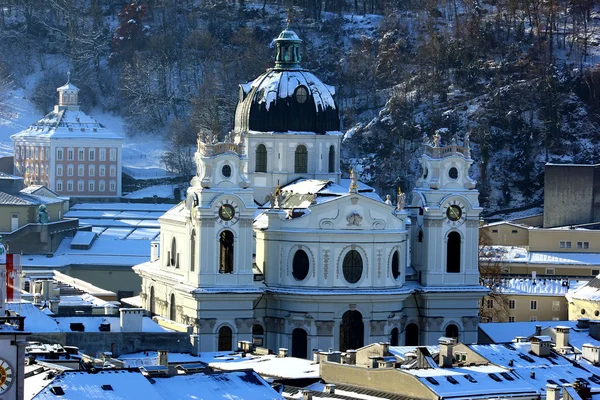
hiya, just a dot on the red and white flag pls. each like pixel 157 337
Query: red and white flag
pixel 13 277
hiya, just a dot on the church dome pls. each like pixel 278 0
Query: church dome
pixel 287 98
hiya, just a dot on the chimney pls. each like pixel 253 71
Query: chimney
pixel 595 329
pixel 351 357
pixel 306 395
pixel 591 353
pixel 583 323
pixel 538 330
pixel 283 352
pixel 131 319
pixel 562 338
pixel 445 357
pixel 154 251
pixel 541 346
pixel 385 348
pixel 317 356
pixel 332 356
pixel 520 339
pixel 424 359
pixel 582 388
pixel 552 392
pixel 330 388
pixel 163 358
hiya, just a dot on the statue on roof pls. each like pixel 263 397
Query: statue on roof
pixel 401 199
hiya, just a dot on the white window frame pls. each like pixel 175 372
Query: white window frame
pixel 550 271
pixel 70 170
pixel 533 318
pixel 59 154
pixel 59 186
pixel 80 185
pixel 102 154
pixel 101 186
pixel 112 186
pixel 113 154
pixel 512 304
pixel 92 170
pixel 91 186
pixel 81 154
pixel 59 170
pixel 113 170
pixel 70 154
pixel 70 186
pixel 102 170
pixel 81 170
pixel 533 305
pixel 555 305
pixel 511 319
pixel 92 154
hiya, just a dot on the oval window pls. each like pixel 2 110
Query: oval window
pixel 226 171
pixel 453 173
pixel 353 266
pixel 301 94
pixel 300 265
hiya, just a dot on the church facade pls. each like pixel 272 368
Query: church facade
pixel 324 262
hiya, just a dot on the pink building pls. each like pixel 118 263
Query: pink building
pixel 70 152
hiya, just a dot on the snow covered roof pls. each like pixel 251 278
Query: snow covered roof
pixel 514 254
pixel 66 124
pixel 589 291
pixel 505 332
pixel 91 323
pixel 540 286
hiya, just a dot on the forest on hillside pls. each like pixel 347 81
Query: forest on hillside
pixel 518 75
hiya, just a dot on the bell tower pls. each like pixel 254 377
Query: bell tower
pixel 445 235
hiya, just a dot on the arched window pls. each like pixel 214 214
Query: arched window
pixel 453 253
pixel 353 266
pixel 332 159
pixel 452 331
pixel 301 160
pixel 173 253
pixel 151 301
pixel 352 331
pixel 225 339
pixel 299 343
pixel 411 336
pixel 420 236
pixel 394 337
pixel 261 158
pixel 396 265
pixel 226 252
pixel 193 250
pixel 172 308
pixel 258 335
pixel 300 265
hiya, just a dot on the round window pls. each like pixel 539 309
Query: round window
pixel 353 266
pixel 226 171
pixel 596 313
pixel 582 311
pixel 301 94
pixel 300 265
pixel 453 173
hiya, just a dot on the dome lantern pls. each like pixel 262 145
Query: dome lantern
pixel 288 50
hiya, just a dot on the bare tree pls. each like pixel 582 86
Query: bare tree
pixel 494 306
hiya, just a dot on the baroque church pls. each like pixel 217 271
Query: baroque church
pixel 273 246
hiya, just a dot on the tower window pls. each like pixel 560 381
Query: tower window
pixel 300 265
pixel 453 253
pixel 301 160
pixel 352 266
pixel 331 159
pixel 453 173
pixel 226 252
pixel 226 171
pixel 261 158
pixel 193 250
pixel 396 265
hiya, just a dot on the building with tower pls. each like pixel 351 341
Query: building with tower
pixel 69 152
pixel 324 262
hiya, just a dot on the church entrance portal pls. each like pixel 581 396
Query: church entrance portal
pixel 299 343
pixel 352 331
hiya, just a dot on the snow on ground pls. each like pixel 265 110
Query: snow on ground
pixel 162 191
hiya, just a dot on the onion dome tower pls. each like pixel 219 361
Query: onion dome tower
pixel 291 122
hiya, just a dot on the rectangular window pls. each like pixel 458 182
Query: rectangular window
pixel 69 170
pixel 515 231
pixel 533 304
pixel 511 319
pixel 80 186
pixel 92 154
pixel 555 305
pixel 512 305
pixel 92 170
pixel 580 245
pixel 102 170
pixel 533 319
pixel 69 186
pixel 37 153
pixel 91 186
pixel 59 154
pixel 59 186
pixel 595 272
pixel 490 303
pixel 494 230
pixel 59 170
pixel 113 170
pixel 80 170
pixel 80 154
pixel 562 244
pixel 113 186
pixel 70 154
pixel 568 245
pixel 102 154
pixel 586 245
pixel 555 319
pixel 549 271
pixel 113 154
pixel 102 186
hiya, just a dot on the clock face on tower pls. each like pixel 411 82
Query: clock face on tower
pixel 227 212
pixel 6 376
pixel 454 213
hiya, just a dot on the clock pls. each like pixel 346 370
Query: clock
pixel 227 212
pixel 6 376
pixel 454 213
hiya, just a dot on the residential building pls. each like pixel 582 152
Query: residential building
pixel 70 152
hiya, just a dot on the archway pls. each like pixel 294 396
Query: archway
pixel 394 337
pixel 352 331
pixel 299 343
pixel 452 331
pixel 225 339
pixel 453 253
pixel 411 335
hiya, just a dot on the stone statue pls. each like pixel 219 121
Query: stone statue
pixel 401 198
pixel 436 140
pixel 42 214
pixel 353 181
pixel 388 199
